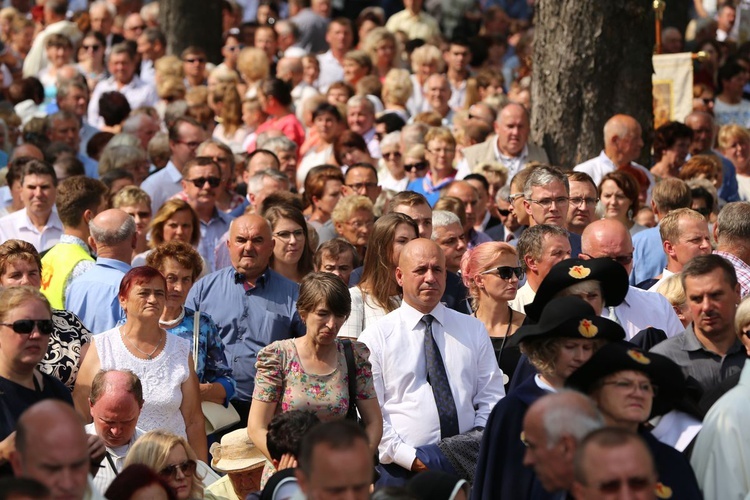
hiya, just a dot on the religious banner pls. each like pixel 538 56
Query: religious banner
pixel 672 87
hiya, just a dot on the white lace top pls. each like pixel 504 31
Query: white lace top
pixel 162 378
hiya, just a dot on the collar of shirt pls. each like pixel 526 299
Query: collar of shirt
pixel 485 220
pixel 734 260
pixel 172 172
pixel 239 278
pixel 134 83
pixel 74 240
pixel 543 385
pixel 429 187
pixel 369 135
pixel 692 343
pixel 500 156
pixel 52 222
pixel 412 317
pixel 113 264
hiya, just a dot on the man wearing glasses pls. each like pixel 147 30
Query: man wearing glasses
pixel 582 202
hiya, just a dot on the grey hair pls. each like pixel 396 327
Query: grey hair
pixel 360 100
pixel 124 157
pixel 392 139
pixel 542 176
pixel 502 194
pixel 279 144
pixel 532 239
pixel 570 420
pixel 124 139
pixel 108 6
pixel 255 184
pixel 734 223
pixel 588 286
pixel 442 218
pixel 112 237
pixel 134 122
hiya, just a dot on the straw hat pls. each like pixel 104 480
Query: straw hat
pixel 236 453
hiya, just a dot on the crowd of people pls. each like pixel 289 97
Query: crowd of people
pixel 333 263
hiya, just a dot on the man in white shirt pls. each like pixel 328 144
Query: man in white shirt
pixel 115 404
pixel 413 21
pixel 124 80
pixel 184 138
pixel 339 38
pixel 38 222
pixel 640 309
pixel 437 92
pixel 422 353
pixel 360 116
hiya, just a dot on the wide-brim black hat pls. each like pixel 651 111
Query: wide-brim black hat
pixel 664 373
pixel 612 277
pixel 570 317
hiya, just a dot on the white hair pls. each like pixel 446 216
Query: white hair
pixel 442 218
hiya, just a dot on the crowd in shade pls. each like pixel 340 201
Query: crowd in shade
pixel 332 263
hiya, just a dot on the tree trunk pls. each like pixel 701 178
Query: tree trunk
pixel 192 22
pixel 592 60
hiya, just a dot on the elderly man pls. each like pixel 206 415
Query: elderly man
pixel 52 448
pixel 360 116
pixel 708 350
pixel 469 196
pixel 539 248
pixel 102 15
pixel 92 296
pixel 704 136
pixel 285 150
pixel 124 80
pixel 622 146
pixel 337 256
pixel 65 127
pixel 648 257
pixel 73 97
pixel 509 145
pixel 252 304
pixel 133 26
pixel 115 404
pixel 640 309
pixel 184 138
pixel 422 353
pixel 437 92
pixel 449 234
pixel 732 234
pixel 440 150
pixel 38 223
pixel 684 235
pixel 510 228
pixel 143 126
pixel 582 202
pixel 362 179
pixel 339 37
pixel 615 463
pixel 553 428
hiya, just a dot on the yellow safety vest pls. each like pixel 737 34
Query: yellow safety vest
pixel 57 265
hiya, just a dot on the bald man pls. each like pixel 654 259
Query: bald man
pixel 52 448
pixel 92 296
pixel 252 304
pixel 622 146
pixel 423 352
pixel 640 309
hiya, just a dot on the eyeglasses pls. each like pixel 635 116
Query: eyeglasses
pixel 362 185
pixel 287 235
pixel 547 202
pixel 199 182
pixel 578 201
pixel 512 197
pixel 194 60
pixel 191 145
pixel 506 272
pixel 187 468
pixel 394 154
pixel 632 385
pixel 623 260
pixel 635 484
pixel 503 212
pixel 420 165
pixel 26 326
pixel 93 48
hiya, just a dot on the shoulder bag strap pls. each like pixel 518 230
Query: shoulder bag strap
pixel 352 376
pixel 196 335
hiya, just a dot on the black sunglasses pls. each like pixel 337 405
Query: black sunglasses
pixel 506 272
pixel 201 181
pixel 26 326
pixel 421 165
pixel 503 212
pixel 187 468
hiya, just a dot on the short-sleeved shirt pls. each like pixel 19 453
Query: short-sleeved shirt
pixel 17 398
pixel 281 378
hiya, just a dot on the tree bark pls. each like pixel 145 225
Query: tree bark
pixel 192 22
pixel 592 60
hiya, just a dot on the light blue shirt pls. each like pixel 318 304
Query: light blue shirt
pixel 211 234
pixel 162 185
pixel 248 320
pixel 649 258
pixel 93 295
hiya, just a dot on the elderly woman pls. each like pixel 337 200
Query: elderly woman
pixel 397 89
pixel 164 363
pixel 415 164
pixel 357 64
pixel 312 372
pixel 425 61
pixel 491 273
pixel 322 194
pixel 705 167
pixel 353 220
pixel 20 265
pixel 180 264
pixel 393 177
pixel 378 293
pixel 384 51
pixel 566 336
pixel 173 459
pixel 734 143
pixel 671 147
pixel 129 158
pixel 25 329
pixel 618 195
pixel 136 202
pixel 292 255
pixel 623 381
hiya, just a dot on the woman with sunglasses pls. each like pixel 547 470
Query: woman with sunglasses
pixel 394 177
pixel 91 58
pixel 292 255
pixel 631 386
pixel 491 273
pixel 25 329
pixel 173 459
pixel 415 163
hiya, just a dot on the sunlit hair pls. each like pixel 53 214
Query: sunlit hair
pixel 741 317
pixel 543 352
pixel 138 276
pixel 479 259
pixel 18 250
pixel 181 252
pixel 12 297
pixel 166 212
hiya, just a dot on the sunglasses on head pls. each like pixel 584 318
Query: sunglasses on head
pixel 420 165
pixel 187 468
pixel 506 272
pixel 201 181
pixel 26 326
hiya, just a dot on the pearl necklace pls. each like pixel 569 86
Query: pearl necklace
pixel 150 355
pixel 173 322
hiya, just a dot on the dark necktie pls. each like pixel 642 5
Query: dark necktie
pixel 438 379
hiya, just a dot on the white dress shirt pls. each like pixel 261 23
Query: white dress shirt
pixel 18 226
pixel 106 475
pixel 410 416
pixel 601 165
pixel 524 296
pixel 642 309
pixel 664 275
pixel 162 185
pixel 331 71
pixel 137 92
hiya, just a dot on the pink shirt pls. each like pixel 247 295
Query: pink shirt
pixel 289 125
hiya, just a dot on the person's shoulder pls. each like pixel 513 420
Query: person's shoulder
pixel 587 165
pixel 647 234
pixel 671 345
pixel 278 281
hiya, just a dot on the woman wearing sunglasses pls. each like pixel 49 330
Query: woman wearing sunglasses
pixel 292 255
pixel 491 273
pixel 415 163
pixel 25 329
pixel 91 58
pixel 173 459
pixel 395 178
